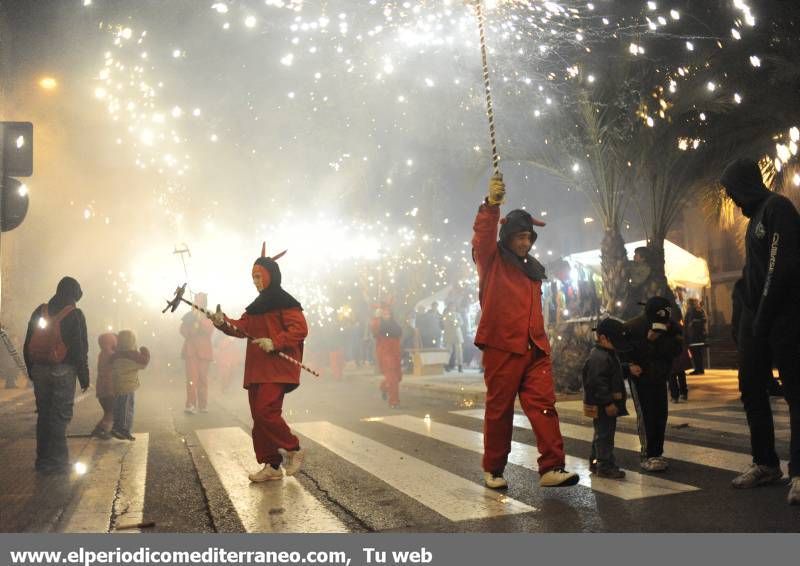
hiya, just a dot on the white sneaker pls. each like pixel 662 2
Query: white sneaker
pixel 493 481
pixel 794 491
pixel 663 463
pixel 654 464
pixel 558 477
pixel 190 410
pixel 292 460
pixel 757 475
pixel 266 473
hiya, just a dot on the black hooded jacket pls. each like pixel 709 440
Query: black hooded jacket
pixel 770 278
pixel 73 328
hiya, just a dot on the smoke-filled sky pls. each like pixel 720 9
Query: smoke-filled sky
pixel 352 133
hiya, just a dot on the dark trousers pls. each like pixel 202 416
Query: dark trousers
pixel 54 389
pixel 653 400
pixel 123 413
pixel 756 358
pixel 697 358
pixel 603 441
pixel 677 385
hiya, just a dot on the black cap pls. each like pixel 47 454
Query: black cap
pixel 658 311
pixel 614 330
pixel 517 221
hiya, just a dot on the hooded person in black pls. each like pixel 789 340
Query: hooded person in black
pixel 54 383
pixel 767 307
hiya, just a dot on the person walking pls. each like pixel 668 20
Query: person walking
pixel 696 334
pixel 511 334
pixel 198 354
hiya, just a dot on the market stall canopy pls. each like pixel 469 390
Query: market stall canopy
pixel 682 268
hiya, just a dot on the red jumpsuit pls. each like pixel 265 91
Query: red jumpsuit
pixel 516 352
pixel 268 377
pixel 387 354
pixel 227 356
pixel 198 354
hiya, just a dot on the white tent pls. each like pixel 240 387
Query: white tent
pixel 682 268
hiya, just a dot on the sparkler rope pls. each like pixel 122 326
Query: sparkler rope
pixel 487 87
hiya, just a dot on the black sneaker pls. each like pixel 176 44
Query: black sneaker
pixel 119 435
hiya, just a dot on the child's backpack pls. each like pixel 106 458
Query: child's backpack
pixel 46 346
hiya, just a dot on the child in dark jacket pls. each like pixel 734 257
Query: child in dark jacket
pixel 656 340
pixel 604 395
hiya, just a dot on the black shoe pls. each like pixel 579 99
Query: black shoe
pixel 129 436
pixel 697 373
pixel 674 400
pixel 593 466
pixel 119 435
pixel 684 398
pixel 460 369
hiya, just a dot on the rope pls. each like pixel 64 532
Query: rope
pixel 487 87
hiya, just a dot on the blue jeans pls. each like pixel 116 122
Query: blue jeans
pixel 123 413
pixel 54 389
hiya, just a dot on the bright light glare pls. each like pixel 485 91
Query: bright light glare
pixel 48 83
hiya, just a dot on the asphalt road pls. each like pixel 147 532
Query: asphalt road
pixel 370 468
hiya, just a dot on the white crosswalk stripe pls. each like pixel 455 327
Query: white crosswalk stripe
pixel 449 495
pixel 713 457
pixel 113 482
pixel 634 486
pixel 273 506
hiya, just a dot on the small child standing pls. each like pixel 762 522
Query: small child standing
pixel 125 366
pixel 105 385
pixel 604 395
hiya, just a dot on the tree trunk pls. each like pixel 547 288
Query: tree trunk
pixel 614 267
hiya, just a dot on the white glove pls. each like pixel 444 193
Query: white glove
pixel 218 318
pixel 265 344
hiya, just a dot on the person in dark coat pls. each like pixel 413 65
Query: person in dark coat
pixel 656 341
pixel 54 381
pixel 695 327
pixel 767 329
pixel 511 334
pixel 604 395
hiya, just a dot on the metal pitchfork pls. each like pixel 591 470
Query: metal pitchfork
pixel 178 299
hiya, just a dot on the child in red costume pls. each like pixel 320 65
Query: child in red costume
pixel 387 335
pixel 516 352
pixel 198 355
pixel 276 319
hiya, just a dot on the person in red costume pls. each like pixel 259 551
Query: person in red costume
pixel 197 353
pixel 276 320
pixel 387 333
pixel 516 352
